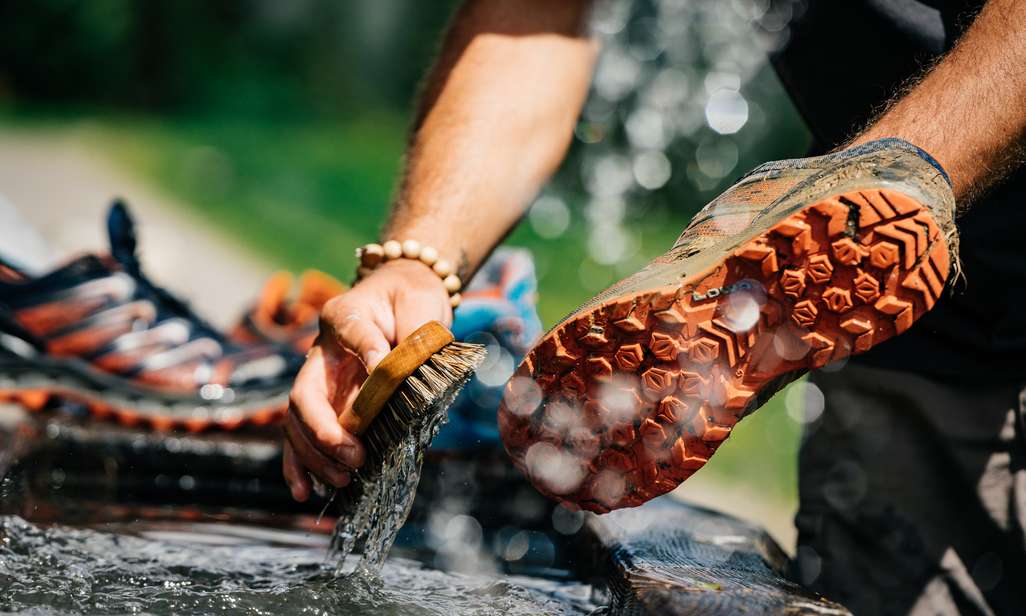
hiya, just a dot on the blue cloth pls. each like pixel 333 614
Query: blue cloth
pixel 499 309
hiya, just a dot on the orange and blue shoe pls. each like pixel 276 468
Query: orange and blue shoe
pixel 799 264
pixel 98 332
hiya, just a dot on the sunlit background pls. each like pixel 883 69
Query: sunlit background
pixel 279 127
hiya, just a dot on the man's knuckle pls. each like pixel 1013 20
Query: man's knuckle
pixel 325 435
pixel 333 307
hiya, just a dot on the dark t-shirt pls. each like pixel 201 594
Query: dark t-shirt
pixel 845 59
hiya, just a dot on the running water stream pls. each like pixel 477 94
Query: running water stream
pixel 377 507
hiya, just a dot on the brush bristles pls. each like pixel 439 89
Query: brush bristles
pixel 422 399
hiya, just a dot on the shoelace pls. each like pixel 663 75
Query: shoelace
pixel 121 229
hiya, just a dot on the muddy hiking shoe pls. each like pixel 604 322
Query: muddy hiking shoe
pixel 800 263
pixel 98 332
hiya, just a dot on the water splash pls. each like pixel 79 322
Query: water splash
pixel 378 505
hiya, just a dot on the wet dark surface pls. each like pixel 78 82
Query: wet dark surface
pixel 212 569
pixel 127 522
pixel 672 559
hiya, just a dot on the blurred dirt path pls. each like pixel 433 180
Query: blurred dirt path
pixel 63 187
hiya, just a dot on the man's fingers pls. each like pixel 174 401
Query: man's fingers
pixel 309 403
pixel 356 332
pixel 296 478
pixel 326 469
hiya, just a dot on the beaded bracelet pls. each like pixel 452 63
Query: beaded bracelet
pixel 371 256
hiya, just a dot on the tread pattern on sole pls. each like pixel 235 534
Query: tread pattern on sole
pixel 624 401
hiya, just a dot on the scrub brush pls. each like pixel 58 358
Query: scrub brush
pixel 397 412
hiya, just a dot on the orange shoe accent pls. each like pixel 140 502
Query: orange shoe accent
pixel 638 390
pixel 34 399
pixel 273 295
pixel 265 313
pixel 277 317
pixel 316 288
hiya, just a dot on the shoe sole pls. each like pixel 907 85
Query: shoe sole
pixel 136 408
pixel 643 387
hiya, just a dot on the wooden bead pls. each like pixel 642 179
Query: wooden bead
pixel 393 249
pixel 443 268
pixel 411 249
pixel 428 256
pixel 371 255
pixel 452 283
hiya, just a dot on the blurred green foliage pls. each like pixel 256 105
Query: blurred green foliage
pixel 272 59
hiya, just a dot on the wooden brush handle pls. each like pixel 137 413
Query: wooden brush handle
pixel 390 373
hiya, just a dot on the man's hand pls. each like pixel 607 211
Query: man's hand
pixel 357 329
pixel 497 116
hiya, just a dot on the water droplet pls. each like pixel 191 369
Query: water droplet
pixel 717 158
pixel 804 402
pixel 567 522
pixel 652 169
pixel 523 396
pixel 608 487
pixel 558 471
pixel 726 112
pixel 809 564
pixel 740 311
pixel 549 217
pixel 610 243
pixel 517 546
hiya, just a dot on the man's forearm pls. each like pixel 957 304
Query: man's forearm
pixel 496 119
pixel 969 111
